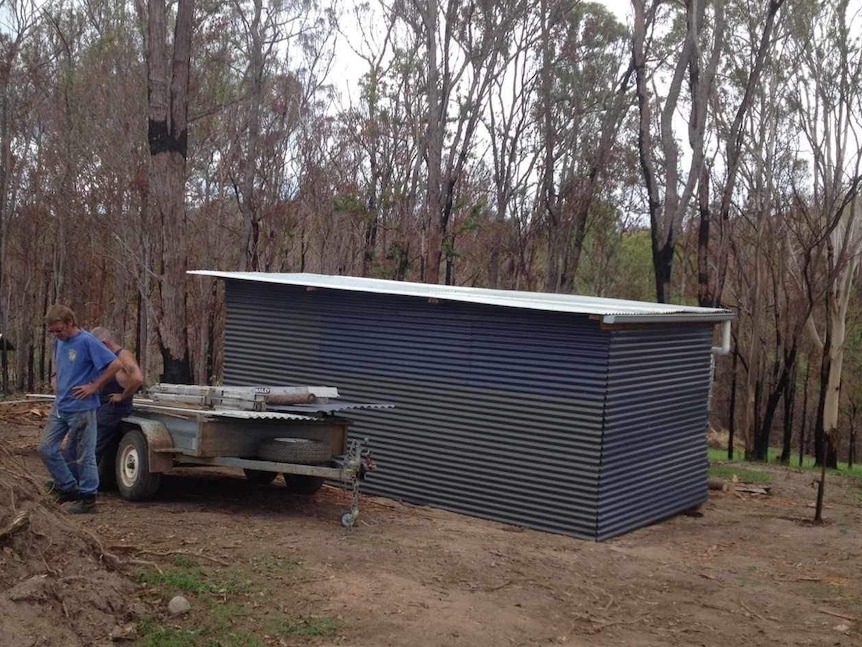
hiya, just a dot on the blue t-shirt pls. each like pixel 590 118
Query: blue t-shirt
pixel 80 360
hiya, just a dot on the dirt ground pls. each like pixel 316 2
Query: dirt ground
pixel 262 567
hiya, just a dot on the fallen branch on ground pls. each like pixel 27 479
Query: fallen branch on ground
pixel 838 615
pixel 756 615
pixel 165 553
pixel 20 521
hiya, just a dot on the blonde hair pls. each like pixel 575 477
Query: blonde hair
pixel 59 312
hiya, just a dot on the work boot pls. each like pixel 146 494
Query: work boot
pixel 61 496
pixel 84 505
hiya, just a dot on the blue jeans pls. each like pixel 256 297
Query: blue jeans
pixel 109 415
pixel 81 428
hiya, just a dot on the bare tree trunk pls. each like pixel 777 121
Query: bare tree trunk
pixel 31 358
pixel 755 360
pixel 550 202
pixel 588 186
pixel 757 451
pixel 434 132
pixel 703 292
pixel 211 337
pixel 804 424
pixel 667 212
pixel 731 422
pixel 45 367
pixel 168 142
pixel 821 487
pixel 789 400
pixel 4 353
pixel 710 292
pixel 13 37
pixel 372 218
pixel 5 154
pixel 246 192
pixel 845 239
pixel 823 447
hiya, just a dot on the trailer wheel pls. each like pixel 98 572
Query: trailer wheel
pixel 302 451
pixel 302 484
pixel 259 477
pixel 134 479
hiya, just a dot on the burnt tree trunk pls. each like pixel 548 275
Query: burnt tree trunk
pixel 704 296
pixel 31 376
pixel 764 430
pixel 762 424
pixel 731 423
pixel 804 424
pixel 167 135
pixel 789 399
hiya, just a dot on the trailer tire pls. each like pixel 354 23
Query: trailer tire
pixel 134 479
pixel 302 451
pixel 302 484
pixel 259 477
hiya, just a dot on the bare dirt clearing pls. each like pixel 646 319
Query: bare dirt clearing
pixel 262 567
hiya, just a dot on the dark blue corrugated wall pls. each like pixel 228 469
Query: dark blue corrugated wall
pixel 654 460
pixel 499 412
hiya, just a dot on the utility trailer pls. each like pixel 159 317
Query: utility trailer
pixel 298 432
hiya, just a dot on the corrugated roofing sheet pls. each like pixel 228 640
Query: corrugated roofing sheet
pixel 225 413
pixel 329 407
pixel 610 310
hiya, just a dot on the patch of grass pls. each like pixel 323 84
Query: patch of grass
pixel 156 635
pixel 237 639
pixel 188 577
pixel 232 582
pixel 744 475
pixel 224 614
pixel 720 456
pixel 311 627
pixel 176 579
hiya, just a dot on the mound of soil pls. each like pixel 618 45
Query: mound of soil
pixel 57 584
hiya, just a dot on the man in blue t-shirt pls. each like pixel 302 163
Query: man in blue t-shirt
pixel 82 367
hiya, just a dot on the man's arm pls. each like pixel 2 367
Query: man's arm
pixel 85 390
pixel 135 377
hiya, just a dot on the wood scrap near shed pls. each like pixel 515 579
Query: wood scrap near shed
pixel 738 487
pixel 752 489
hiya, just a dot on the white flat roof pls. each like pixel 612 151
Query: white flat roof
pixel 610 310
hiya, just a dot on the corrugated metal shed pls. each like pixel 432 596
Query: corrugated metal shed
pixel 537 410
